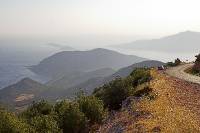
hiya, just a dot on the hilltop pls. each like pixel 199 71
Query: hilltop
pixel 67 62
pixel 22 93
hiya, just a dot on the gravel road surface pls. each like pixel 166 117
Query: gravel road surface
pixel 178 72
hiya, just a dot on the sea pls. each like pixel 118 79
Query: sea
pixel 14 62
pixel 159 55
pixel 11 73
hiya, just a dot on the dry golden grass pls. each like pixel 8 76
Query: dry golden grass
pixel 167 113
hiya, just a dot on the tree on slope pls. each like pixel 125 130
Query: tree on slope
pixel 196 66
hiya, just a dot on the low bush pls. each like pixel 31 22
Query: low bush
pixel 9 123
pixel 37 109
pixel 114 93
pixel 119 89
pixel 196 67
pixel 140 76
pixel 92 107
pixel 175 63
pixel 70 118
pixel 45 124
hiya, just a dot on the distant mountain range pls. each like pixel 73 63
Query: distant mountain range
pixel 124 72
pixel 24 92
pixel 68 62
pixel 187 41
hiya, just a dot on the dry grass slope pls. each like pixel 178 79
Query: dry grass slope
pixel 168 113
pixel 174 110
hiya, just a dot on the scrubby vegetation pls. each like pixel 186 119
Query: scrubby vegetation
pixel 10 123
pixel 81 115
pixel 175 63
pixel 40 116
pixel 195 70
pixel 114 93
pixel 196 67
pixel 118 90
pixel 93 108
pixel 76 116
pixel 70 118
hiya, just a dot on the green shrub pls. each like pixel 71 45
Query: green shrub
pixel 37 109
pixel 140 76
pixel 9 123
pixel 45 124
pixel 119 89
pixel 170 64
pixel 92 107
pixel 196 67
pixel 41 117
pixel 114 93
pixel 70 118
pixel 175 63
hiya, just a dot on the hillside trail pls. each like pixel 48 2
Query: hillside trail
pixel 179 72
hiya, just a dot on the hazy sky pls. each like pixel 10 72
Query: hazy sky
pixel 60 18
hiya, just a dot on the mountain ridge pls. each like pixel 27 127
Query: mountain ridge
pixel 93 83
pixel 187 41
pixel 65 62
pixel 27 90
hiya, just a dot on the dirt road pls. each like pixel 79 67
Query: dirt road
pixel 178 72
